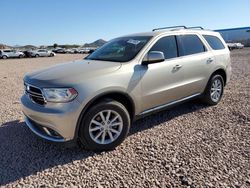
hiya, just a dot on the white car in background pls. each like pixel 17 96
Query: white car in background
pixel 83 50
pixel 239 45
pixel 233 46
pixel 42 53
pixel 8 53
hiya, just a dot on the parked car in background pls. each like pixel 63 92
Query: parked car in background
pixel 233 46
pixel 55 50
pixel 91 51
pixel 60 51
pixel 65 51
pixel 42 53
pixel 75 50
pixel 8 53
pixel 27 53
pixel 69 51
pixel 83 50
pixel 239 46
pixel 95 100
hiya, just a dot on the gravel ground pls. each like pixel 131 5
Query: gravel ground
pixel 191 145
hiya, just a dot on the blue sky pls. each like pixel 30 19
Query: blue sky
pixel 44 22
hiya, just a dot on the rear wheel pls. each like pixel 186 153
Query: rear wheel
pixel 104 126
pixel 4 57
pixel 36 55
pixel 214 90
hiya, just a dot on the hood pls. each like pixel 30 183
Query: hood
pixel 71 73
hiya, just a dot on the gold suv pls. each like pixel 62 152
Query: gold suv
pixel 95 100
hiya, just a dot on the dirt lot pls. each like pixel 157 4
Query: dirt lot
pixel 190 145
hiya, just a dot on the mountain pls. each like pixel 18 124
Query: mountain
pixel 25 47
pixel 97 43
pixel 28 47
pixel 3 46
pixel 16 46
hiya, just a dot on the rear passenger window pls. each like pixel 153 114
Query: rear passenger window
pixel 190 44
pixel 167 45
pixel 214 42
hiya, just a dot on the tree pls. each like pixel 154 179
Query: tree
pixel 55 45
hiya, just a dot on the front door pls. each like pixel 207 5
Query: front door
pixel 162 82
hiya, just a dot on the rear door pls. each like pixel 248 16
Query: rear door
pixel 195 61
pixel 41 53
pixel 45 53
pixel 12 53
pixel 15 53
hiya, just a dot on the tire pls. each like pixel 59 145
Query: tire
pixel 36 55
pixel 212 87
pixel 51 55
pixel 118 130
pixel 20 56
pixel 4 57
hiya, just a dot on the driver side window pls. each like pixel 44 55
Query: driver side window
pixel 167 45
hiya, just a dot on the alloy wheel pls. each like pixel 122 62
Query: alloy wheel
pixel 216 90
pixel 105 127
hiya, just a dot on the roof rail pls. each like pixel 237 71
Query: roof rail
pixel 173 27
pixel 196 27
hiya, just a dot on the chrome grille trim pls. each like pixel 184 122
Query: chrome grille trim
pixel 35 94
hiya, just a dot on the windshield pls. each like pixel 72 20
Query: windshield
pixel 120 50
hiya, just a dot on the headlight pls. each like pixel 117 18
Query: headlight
pixel 59 94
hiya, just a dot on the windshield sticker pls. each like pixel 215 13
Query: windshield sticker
pixel 132 41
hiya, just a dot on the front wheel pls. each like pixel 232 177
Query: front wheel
pixel 104 126
pixel 214 90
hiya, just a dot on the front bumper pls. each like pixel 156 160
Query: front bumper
pixel 54 122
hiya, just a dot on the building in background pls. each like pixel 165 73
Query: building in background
pixel 235 35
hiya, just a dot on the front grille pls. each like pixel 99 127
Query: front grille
pixel 35 94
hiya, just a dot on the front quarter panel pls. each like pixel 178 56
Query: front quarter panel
pixel 125 80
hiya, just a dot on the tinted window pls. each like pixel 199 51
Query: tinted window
pixel 214 42
pixel 120 50
pixel 167 45
pixel 190 44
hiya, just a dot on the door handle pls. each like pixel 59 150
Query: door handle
pixel 210 60
pixel 177 67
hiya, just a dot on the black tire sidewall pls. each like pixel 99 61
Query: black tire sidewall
pixel 84 136
pixel 207 97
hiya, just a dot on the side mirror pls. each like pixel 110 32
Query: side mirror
pixel 153 57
